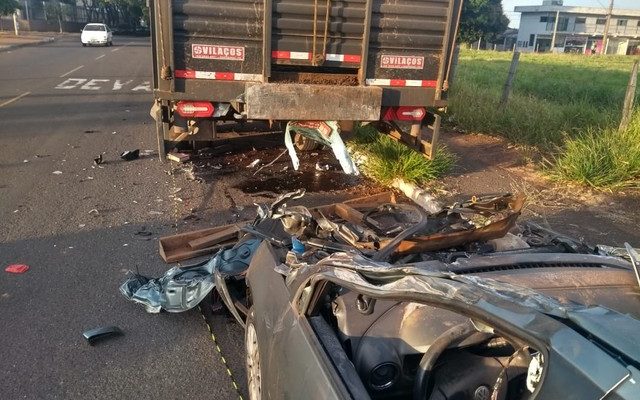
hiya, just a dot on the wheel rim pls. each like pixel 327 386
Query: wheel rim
pixel 253 363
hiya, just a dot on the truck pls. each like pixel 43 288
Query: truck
pixel 216 61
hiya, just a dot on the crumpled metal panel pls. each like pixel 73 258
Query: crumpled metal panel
pixel 182 288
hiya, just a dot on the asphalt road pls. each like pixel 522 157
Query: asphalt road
pixel 75 225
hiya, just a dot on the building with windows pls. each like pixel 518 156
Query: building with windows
pixel 578 29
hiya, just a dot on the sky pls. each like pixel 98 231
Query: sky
pixel 508 5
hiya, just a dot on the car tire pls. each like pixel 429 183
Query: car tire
pixel 252 358
pixel 303 143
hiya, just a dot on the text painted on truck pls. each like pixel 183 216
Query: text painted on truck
pixel 401 62
pixel 216 52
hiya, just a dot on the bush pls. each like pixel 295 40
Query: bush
pixel 388 160
pixel 602 158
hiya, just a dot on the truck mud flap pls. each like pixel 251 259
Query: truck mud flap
pixel 277 101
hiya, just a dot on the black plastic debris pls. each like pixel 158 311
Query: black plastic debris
pixel 98 160
pixel 130 155
pixel 98 334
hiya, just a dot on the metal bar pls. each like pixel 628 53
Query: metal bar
pixel 326 30
pixel 436 135
pixel 454 51
pixel 315 31
pixel 364 59
pixel 443 52
pixel 266 37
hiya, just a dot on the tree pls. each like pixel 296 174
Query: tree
pixel 8 7
pixel 57 11
pixel 482 19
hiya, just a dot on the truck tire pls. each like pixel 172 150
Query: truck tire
pixel 303 143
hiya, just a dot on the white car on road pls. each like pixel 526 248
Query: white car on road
pixel 96 34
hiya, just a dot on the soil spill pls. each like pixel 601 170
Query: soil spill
pixel 312 181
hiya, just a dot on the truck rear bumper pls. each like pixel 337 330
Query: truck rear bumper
pixel 280 101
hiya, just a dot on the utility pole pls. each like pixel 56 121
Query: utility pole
pixel 555 31
pixel 607 25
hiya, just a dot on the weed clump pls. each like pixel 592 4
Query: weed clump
pixel 388 160
pixel 606 158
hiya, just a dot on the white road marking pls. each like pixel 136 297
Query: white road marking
pixel 116 49
pixel 14 99
pixel 100 84
pixel 70 72
pixel 99 57
pixel 91 85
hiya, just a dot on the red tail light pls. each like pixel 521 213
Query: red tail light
pixel 194 109
pixel 404 113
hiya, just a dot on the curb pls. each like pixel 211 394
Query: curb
pixel 17 46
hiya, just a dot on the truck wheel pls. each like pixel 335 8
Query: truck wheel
pixel 254 373
pixel 303 143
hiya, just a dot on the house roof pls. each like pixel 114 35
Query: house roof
pixel 619 12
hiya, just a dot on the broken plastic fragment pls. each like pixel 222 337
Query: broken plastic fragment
pixel 324 132
pixel 130 155
pixel 94 335
pixel 17 268
pixel 57 172
pixel 254 163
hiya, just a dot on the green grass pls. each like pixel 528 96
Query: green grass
pixel 388 160
pixel 606 159
pixel 561 104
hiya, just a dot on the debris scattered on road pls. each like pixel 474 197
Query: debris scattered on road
pixel 98 334
pixel 153 212
pixel 147 152
pixel 254 163
pixel 179 157
pixel 98 160
pixel 271 163
pixel 91 131
pixel 130 155
pixel 57 172
pixel 322 167
pixel 17 268
pixel 25 161
pixel 93 211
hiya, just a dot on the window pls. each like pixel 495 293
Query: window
pixel 532 38
pixel 544 19
pixel 601 21
pixel 581 20
pixel 622 22
pixel 563 24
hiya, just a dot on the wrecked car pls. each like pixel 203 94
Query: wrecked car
pixel 525 317
pixel 375 298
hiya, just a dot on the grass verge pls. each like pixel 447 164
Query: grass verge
pixel 563 104
pixel 388 160
pixel 606 159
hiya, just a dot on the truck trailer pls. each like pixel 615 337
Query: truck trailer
pixel 300 60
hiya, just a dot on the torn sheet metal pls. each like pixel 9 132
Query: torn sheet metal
pixel 182 288
pixel 478 219
pixel 179 289
pixel 324 132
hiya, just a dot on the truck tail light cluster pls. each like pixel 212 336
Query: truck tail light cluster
pixel 405 113
pixel 194 109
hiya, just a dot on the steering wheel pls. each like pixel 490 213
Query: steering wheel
pixel 428 360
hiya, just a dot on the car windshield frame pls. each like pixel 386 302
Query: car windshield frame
pixel 95 28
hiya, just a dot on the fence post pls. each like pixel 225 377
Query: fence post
pixel 627 109
pixel 506 91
